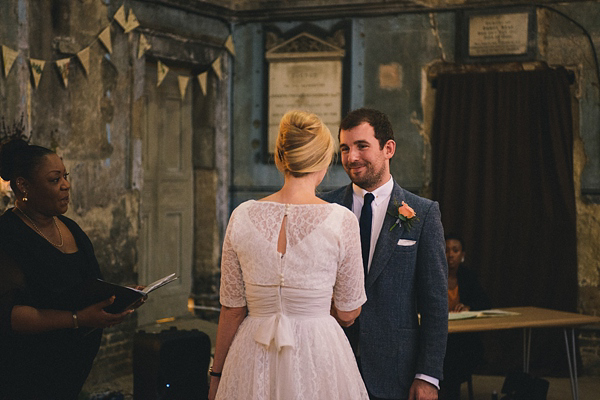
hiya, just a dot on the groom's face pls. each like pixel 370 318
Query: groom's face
pixel 365 162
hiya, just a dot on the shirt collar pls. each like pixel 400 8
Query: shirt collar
pixel 382 193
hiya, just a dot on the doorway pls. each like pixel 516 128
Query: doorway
pixel 167 196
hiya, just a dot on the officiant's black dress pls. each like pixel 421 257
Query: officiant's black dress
pixel 51 365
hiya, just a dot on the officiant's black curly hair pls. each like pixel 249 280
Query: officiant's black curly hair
pixel 17 157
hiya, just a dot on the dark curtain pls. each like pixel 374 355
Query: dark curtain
pixel 503 174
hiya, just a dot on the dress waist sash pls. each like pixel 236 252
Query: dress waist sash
pixel 277 304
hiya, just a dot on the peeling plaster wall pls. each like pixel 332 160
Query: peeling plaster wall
pixel 563 43
pixel 90 123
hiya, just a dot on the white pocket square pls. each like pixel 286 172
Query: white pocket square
pixel 406 242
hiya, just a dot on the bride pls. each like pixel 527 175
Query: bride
pixel 291 273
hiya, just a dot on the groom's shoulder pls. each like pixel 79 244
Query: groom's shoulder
pixel 334 196
pixel 415 200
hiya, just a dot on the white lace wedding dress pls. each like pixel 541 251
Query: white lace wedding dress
pixel 289 347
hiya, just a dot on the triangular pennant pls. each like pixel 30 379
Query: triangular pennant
pixel 202 82
pixel 183 81
pixel 163 70
pixel 84 59
pixel 216 66
pixel 8 56
pixel 120 17
pixel 143 46
pixel 132 22
pixel 229 45
pixel 37 67
pixel 63 69
pixel 105 39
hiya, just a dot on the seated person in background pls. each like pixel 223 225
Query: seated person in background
pixel 465 350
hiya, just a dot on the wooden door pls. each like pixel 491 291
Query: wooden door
pixel 167 195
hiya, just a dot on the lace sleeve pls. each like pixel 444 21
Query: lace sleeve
pixel 349 289
pixel 232 292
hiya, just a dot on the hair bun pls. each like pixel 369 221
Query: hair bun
pixel 8 151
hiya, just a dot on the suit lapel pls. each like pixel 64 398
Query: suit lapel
pixel 347 200
pixel 387 241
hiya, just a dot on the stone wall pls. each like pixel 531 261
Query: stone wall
pixel 90 122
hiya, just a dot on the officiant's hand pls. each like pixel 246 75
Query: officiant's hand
pixel 94 316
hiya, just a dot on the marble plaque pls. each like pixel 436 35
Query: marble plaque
pixel 314 86
pixel 498 34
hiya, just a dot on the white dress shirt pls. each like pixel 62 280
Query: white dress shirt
pixel 379 206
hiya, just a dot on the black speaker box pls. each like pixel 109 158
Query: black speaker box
pixel 171 365
pixel 523 386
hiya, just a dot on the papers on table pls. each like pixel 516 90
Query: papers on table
pixel 497 313
pixel 462 315
pixel 479 314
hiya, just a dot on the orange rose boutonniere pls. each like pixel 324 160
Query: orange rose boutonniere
pixel 405 214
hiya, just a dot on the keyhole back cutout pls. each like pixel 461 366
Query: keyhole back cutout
pixel 282 239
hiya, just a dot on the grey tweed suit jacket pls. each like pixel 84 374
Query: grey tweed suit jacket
pixel 405 280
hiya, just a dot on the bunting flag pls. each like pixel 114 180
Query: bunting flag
pixel 8 56
pixel 183 81
pixel 202 82
pixel 143 46
pixel 84 59
pixel 63 69
pixel 216 66
pixel 229 45
pixel 163 70
pixel 37 67
pixel 105 39
pixel 120 17
pixel 132 22
pixel 128 21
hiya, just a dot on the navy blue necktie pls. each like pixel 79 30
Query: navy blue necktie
pixel 366 217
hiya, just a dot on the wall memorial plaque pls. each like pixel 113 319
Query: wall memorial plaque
pixel 497 36
pixel 491 35
pixel 305 73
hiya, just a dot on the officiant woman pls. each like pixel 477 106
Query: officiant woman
pixel 43 256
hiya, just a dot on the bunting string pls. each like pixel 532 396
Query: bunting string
pixel 127 20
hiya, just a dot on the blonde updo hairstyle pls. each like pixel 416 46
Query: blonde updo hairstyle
pixel 303 145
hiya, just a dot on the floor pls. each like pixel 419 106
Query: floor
pixel 559 389
pixel 483 386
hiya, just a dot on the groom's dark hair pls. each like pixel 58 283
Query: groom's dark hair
pixel 378 120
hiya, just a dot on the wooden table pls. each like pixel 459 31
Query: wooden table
pixel 527 319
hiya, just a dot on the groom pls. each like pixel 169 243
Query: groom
pixel 400 356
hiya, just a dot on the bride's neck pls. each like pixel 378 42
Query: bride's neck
pixel 298 190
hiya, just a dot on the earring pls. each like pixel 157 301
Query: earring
pixel 462 259
pixel 25 198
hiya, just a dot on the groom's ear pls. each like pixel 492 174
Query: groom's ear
pixel 389 148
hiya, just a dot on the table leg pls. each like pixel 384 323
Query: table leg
pixel 526 348
pixel 572 359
